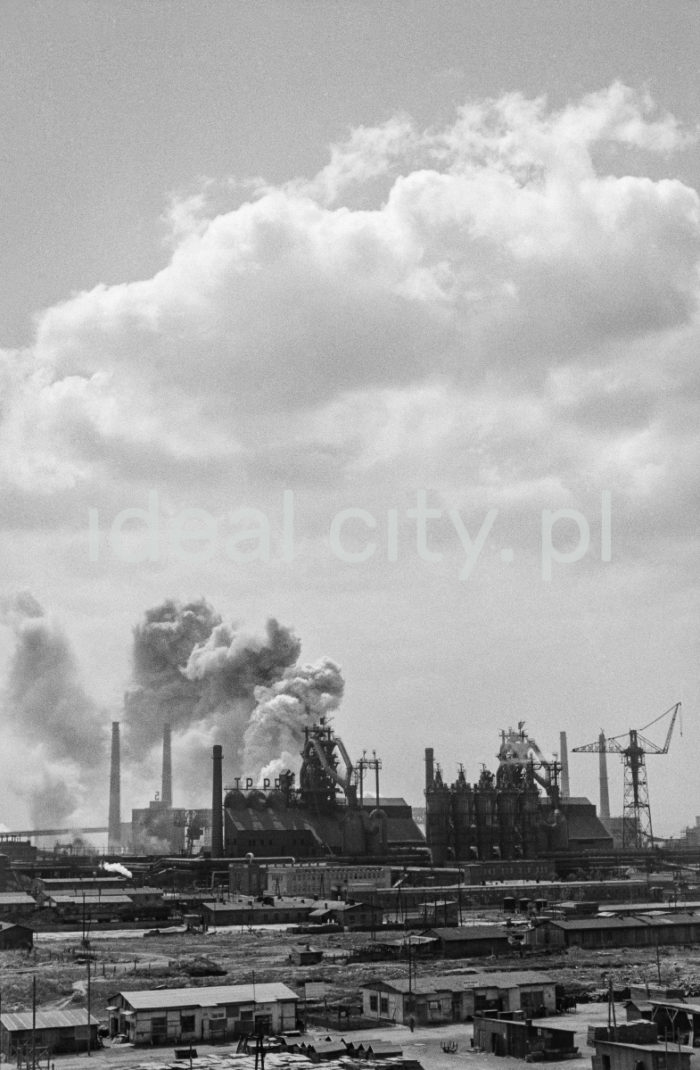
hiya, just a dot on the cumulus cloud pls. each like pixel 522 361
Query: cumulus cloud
pixel 446 298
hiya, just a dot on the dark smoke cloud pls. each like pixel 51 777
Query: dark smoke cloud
pixel 47 711
pixel 200 675
pixel 162 644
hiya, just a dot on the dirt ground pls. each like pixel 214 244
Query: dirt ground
pixel 129 961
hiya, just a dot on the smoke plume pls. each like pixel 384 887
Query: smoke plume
pixel 275 731
pixel 53 722
pixel 116 867
pixel 200 675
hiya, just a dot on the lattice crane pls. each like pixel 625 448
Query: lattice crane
pixel 633 747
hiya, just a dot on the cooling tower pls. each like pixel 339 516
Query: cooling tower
pixel 114 826
pixel 166 788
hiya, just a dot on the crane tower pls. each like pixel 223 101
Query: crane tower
pixel 632 748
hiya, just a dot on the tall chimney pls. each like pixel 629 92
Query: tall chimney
pixel 429 768
pixel 166 785
pixel 603 768
pixel 217 806
pixel 114 823
pixel 564 759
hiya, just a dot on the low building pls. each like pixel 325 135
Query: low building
pixel 635 1046
pixel 439 1000
pixel 212 1014
pixel 322 879
pixel 254 912
pixel 58 1032
pixel 466 940
pixel 506 1035
pixel 15 905
pixel 305 955
pixel 15 937
pixel 642 930
pixel 351 916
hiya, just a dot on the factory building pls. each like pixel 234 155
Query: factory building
pixel 327 815
pixel 505 815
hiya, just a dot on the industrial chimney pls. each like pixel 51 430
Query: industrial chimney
pixel 564 758
pixel 114 823
pixel 603 769
pixel 217 806
pixel 429 768
pixel 166 786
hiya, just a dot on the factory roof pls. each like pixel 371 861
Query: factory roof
pixel 66 1019
pixel 16 897
pixel 213 996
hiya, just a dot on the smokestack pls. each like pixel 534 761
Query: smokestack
pixel 114 823
pixel 564 758
pixel 603 768
pixel 217 806
pixel 166 785
pixel 429 768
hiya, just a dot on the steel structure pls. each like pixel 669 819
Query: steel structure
pixel 633 747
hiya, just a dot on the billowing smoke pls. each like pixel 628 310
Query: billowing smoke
pixel 163 643
pixel 304 694
pixel 200 675
pixel 58 734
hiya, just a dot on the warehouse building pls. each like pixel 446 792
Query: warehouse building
pixel 211 1015
pixel 438 1000
pixel 57 1032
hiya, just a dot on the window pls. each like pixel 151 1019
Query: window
pixel 384 1005
pixel 373 1003
pixel 187 1023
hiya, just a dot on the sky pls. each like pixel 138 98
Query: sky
pixel 376 319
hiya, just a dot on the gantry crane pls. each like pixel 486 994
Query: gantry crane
pixel 632 747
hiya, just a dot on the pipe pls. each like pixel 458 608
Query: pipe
pixel 564 758
pixel 114 823
pixel 217 805
pixel 429 768
pixel 166 784
pixel 603 770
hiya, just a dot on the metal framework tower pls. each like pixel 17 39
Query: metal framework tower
pixel 636 816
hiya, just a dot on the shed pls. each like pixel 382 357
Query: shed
pixel 58 1031
pixel 305 955
pixel 504 1034
pixel 15 936
pixel 466 940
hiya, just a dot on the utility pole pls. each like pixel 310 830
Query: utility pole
pixel 89 1006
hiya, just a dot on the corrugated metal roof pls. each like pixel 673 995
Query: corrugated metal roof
pixel 450 983
pixel 216 995
pixel 46 1020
